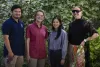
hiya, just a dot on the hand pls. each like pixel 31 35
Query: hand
pixel 10 55
pixel 82 43
pixel 28 58
pixel 62 62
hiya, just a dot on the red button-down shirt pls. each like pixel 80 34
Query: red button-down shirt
pixel 37 47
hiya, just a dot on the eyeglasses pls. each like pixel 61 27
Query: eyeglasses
pixel 77 11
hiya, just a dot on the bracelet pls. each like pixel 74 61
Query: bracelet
pixel 85 40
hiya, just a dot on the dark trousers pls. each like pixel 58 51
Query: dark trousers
pixel 87 55
pixel 55 58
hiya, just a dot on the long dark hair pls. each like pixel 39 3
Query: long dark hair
pixel 59 28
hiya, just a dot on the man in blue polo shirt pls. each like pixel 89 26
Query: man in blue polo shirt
pixel 13 34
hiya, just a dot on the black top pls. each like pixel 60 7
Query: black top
pixel 79 30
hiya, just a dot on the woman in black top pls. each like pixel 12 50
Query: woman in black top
pixel 79 32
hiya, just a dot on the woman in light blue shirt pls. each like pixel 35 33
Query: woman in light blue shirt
pixel 57 43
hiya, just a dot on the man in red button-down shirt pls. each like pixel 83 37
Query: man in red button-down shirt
pixel 36 34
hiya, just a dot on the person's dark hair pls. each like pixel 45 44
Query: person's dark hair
pixel 59 28
pixel 37 12
pixel 15 7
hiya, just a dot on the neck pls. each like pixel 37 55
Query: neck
pixel 56 29
pixel 15 19
pixel 78 18
pixel 38 24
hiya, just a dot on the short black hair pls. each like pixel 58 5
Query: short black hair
pixel 15 7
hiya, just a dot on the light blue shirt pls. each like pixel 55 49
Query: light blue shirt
pixel 60 43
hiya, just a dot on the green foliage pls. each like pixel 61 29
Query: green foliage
pixel 51 8
pixel 91 11
pixel 1 49
pixel 95 51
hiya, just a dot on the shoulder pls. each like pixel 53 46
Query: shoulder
pixel 70 23
pixel 31 25
pixel 51 32
pixel 44 26
pixel 21 21
pixel 87 23
pixel 7 22
pixel 63 31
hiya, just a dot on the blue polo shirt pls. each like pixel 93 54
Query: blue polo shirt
pixel 16 36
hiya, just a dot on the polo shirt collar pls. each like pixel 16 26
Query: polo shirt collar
pixel 14 20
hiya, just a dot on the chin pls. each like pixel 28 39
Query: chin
pixel 17 17
pixel 40 20
pixel 77 17
pixel 56 27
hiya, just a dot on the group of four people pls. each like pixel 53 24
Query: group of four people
pixel 36 36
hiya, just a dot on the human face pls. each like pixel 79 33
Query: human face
pixel 39 17
pixel 56 23
pixel 16 13
pixel 77 13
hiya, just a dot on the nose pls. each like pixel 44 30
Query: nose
pixel 75 12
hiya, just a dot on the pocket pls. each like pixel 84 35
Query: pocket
pixel 13 60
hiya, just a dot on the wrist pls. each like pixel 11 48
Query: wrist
pixel 85 40
pixel 10 52
pixel 63 58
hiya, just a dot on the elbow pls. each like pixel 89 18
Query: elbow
pixel 95 35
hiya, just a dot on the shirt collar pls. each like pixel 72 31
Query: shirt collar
pixel 36 24
pixel 14 20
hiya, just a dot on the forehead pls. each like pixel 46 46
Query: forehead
pixel 17 9
pixel 40 13
pixel 56 20
pixel 76 8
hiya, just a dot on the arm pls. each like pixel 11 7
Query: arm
pixel 48 49
pixel 91 31
pixel 6 30
pixel 95 35
pixel 64 47
pixel 46 36
pixel 69 32
pixel 27 48
pixel 27 43
pixel 7 44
